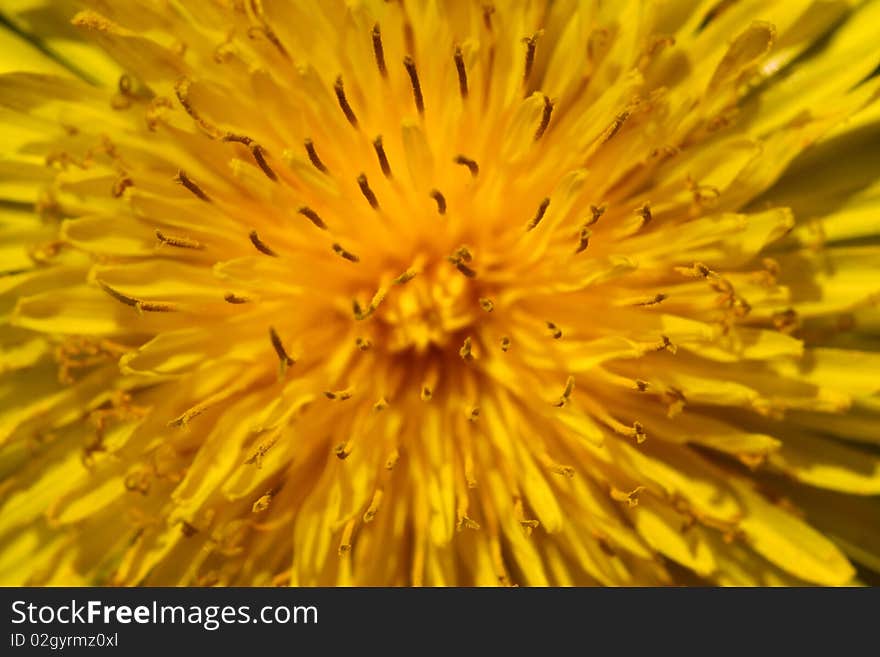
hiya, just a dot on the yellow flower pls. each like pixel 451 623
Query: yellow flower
pixel 439 293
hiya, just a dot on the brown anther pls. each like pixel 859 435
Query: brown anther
pixel 234 298
pixel 583 240
pixel 259 155
pixel 545 118
pixel 410 65
pixel 342 451
pixel 260 245
pixel 347 255
pixel 641 385
pixel 542 209
pixel 462 73
pixel 383 158
pixel 473 413
pixel 531 44
pixel 487 304
pixel 312 216
pixel 426 393
pixel 555 331
pixel 363 344
pixel 367 192
pixel 645 213
pixel 180 242
pixel 286 360
pixel 313 156
pixel 639 432
pixel 140 306
pixel 786 321
pixel 566 393
pixel 459 258
pixel 666 345
pixel 464 269
pixel 184 180
pixel 465 351
pixel 505 343
pixel 339 395
pixel 379 51
pixel 657 298
pixel 488 10
pixel 463 253
pixel 404 278
pixel 188 529
pixel 441 201
pixel 596 212
pixel 122 183
pixel 239 139
pixel 339 88
pixel 124 84
pixel 472 165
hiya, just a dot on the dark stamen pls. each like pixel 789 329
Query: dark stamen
pixel 531 43
pixel 379 51
pixel 286 360
pixel 472 165
pixel 184 180
pixel 367 192
pixel 348 255
pixel 343 102
pixel 313 156
pixel 410 65
pixel 441 201
pixel 260 245
pixel 539 214
pixel 545 118
pixel 312 216
pixel 383 158
pixel 462 73
pixel 258 153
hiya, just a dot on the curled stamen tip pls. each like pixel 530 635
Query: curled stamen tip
pixel 473 413
pixel 339 395
pixel 555 331
pixel 426 393
pixel 367 191
pixel 342 451
pixel 380 405
pixel 505 343
pixel 440 200
pixel 363 344
pixel 472 165
pixel 260 245
pixel 487 304
pixel 641 385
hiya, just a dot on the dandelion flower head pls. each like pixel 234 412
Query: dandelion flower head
pixel 439 292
